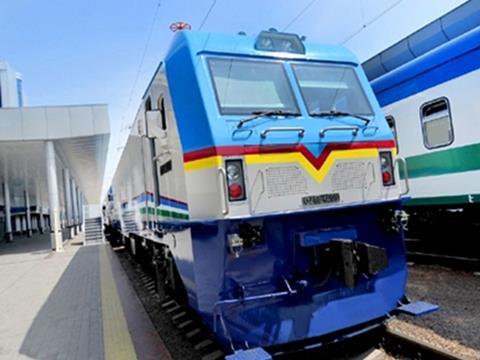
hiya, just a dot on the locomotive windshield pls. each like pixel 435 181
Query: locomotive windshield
pixel 331 88
pixel 245 86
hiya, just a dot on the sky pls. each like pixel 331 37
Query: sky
pixel 105 52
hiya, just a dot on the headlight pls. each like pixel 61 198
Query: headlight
pixel 233 172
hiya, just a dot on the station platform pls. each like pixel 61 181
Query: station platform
pixel 75 304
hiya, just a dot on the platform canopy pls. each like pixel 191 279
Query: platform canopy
pixel 80 136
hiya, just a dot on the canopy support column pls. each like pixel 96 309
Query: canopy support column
pixel 28 213
pixel 68 202
pixel 7 211
pixel 75 206
pixel 53 199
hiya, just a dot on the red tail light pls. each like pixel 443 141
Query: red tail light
pixel 235 191
pixel 387 177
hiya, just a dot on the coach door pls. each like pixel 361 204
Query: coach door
pixel 161 156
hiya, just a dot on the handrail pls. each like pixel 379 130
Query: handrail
pixel 223 181
pixel 259 173
pixel 299 130
pixel 405 173
pixel 353 129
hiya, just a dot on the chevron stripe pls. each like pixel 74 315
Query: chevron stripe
pixel 317 167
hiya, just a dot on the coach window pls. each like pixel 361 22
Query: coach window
pixel 436 123
pixel 161 106
pixel 393 127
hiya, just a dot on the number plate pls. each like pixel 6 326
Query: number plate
pixel 320 199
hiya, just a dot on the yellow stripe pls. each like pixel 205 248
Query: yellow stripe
pixel 118 343
pixel 212 161
pixel 294 157
pixel 318 175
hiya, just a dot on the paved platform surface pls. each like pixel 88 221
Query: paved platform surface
pixel 77 304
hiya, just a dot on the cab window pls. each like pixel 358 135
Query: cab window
pixel 328 87
pixel 246 86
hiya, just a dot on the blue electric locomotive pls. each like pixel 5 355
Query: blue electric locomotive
pixel 261 178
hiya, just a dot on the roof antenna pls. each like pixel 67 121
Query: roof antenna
pixel 273 30
pixel 179 26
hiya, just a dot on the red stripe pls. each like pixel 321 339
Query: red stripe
pixel 272 149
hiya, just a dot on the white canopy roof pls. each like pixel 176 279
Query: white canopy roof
pixel 80 135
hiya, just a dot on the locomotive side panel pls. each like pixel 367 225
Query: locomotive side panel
pixel 128 185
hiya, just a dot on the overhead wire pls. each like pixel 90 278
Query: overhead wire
pixel 207 15
pixel 296 17
pixel 355 33
pixel 123 126
pixel 309 5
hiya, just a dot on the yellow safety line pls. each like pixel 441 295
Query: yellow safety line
pixel 118 344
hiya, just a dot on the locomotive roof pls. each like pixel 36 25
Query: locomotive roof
pixel 242 45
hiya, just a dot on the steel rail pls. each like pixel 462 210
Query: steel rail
pixel 405 345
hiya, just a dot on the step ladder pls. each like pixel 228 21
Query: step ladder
pixel 93 231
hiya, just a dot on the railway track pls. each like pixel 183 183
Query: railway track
pixel 197 343
pixel 405 346
pixel 419 253
pixel 180 328
pixel 454 262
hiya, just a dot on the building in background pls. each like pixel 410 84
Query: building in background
pixel 11 89
pixel 52 163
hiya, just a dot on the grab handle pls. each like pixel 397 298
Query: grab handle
pixel 398 160
pixel 223 182
pixel 353 129
pixel 299 130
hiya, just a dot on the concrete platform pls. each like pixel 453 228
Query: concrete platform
pixel 77 304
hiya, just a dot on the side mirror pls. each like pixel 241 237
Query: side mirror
pixel 154 124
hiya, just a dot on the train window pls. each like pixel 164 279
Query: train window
pixel 245 86
pixel 161 104
pixel 148 104
pixel 393 127
pixel 328 88
pixel 436 123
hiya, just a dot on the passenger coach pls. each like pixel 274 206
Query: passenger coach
pixel 428 87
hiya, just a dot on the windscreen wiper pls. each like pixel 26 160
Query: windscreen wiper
pixel 257 114
pixel 340 113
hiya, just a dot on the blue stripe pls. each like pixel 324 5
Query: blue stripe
pixel 452 60
pixel 144 197
pixel 173 203
pixel 163 201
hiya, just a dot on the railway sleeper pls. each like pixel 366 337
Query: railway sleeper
pixel 185 324
pixel 203 344
pixel 159 277
pixel 179 316
pixel 217 354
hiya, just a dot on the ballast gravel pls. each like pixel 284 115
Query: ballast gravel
pixel 456 325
